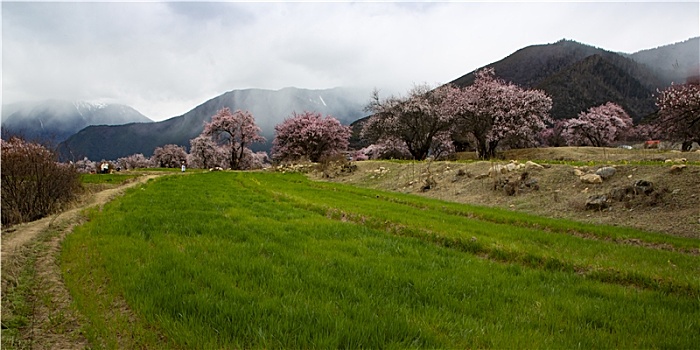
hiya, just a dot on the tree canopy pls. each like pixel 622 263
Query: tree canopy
pixel 309 135
pixel 679 113
pixel 600 126
pixel 491 111
pixel 417 119
pixel 237 131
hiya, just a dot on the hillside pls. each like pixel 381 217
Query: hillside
pixel 578 77
pixel 672 63
pixel 594 81
pixel 268 107
pixel 671 208
pixel 55 120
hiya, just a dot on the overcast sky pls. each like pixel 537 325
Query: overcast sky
pixel 165 58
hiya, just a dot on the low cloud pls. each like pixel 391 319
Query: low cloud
pixel 165 58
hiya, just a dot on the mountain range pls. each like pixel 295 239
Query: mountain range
pixel 268 107
pixel 53 121
pixel 576 76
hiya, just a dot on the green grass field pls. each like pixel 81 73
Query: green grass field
pixel 263 260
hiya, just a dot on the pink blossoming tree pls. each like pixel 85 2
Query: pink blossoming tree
pixel 492 111
pixel 600 126
pixel 205 153
pixel 386 148
pixel 169 156
pixel 135 161
pixel 85 166
pixel 308 135
pixel 679 113
pixel 554 135
pixel 237 131
pixel 415 119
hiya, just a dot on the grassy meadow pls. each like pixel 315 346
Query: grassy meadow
pixel 270 260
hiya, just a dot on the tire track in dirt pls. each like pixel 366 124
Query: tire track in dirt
pixel 21 234
pixel 54 324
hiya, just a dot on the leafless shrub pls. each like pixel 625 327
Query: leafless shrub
pixel 33 183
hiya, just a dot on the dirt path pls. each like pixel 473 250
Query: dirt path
pixel 53 323
pixel 21 234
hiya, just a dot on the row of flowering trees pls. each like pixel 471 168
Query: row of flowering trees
pixel 492 113
pixel 227 139
pixel 487 115
pixel 677 120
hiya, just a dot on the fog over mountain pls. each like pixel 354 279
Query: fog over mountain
pixel 55 120
pixel 269 108
pixel 674 62
pixel 575 75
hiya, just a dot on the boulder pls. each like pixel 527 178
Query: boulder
pixel 579 172
pixel 512 166
pixel 597 202
pixel 606 172
pixel 532 183
pixel 677 168
pixel 643 186
pixel 532 165
pixel 622 194
pixel 591 179
pixel 496 170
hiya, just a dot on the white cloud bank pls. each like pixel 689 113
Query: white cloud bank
pixel 165 58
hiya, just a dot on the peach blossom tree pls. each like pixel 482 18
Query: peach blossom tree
pixel 417 120
pixel 309 135
pixel 679 113
pixel 492 111
pixel 600 126
pixel 205 153
pixel 169 156
pixel 236 131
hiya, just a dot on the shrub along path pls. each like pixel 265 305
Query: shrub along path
pixel 36 310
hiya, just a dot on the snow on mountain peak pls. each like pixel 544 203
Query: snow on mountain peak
pixel 89 105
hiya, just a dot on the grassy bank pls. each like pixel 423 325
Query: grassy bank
pixel 273 260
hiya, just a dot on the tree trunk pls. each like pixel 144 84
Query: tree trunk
pixel 687 145
pixel 486 150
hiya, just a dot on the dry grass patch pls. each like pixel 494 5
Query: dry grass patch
pixel 672 208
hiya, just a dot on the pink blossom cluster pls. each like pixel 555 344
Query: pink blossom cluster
pixel 492 111
pixel 679 113
pixel 85 166
pixel 257 160
pixel 16 145
pixel 600 126
pixel 135 161
pixel 237 131
pixel 414 120
pixel 205 153
pixel 386 148
pixel 169 156
pixel 309 136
